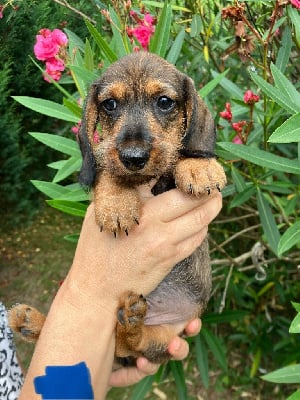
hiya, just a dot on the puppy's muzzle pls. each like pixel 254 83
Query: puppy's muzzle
pixel 134 158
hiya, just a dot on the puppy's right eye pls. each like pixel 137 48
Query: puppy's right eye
pixel 109 105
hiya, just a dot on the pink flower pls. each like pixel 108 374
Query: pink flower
pixel 250 97
pixel 1 11
pixel 227 114
pixel 45 47
pixel 59 37
pixel 237 140
pixel 238 126
pixel 295 3
pixel 144 30
pixel 54 66
pixel 75 129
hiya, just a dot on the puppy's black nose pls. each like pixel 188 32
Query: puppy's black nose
pixel 134 158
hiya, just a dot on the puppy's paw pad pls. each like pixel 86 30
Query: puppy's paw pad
pixel 26 320
pixel 132 310
pixel 200 176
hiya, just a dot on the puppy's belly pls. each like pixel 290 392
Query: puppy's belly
pixel 162 310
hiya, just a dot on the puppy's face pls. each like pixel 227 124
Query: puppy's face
pixel 141 107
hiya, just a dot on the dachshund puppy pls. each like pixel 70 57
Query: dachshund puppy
pixel 144 120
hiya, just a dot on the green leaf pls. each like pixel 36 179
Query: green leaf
pixel 262 158
pixel 202 360
pixel 288 132
pixel 290 238
pixel 118 38
pixel 295 325
pixel 176 47
pixel 225 316
pixel 275 94
pixel 142 388
pixel 285 49
pixel 268 221
pixel 216 346
pixel 196 25
pixel 72 238
pixel 69 207
pixel 294 16
pixel 290 374
pixel 158 4
pixel 178 373
pixel 60 143
pixel 72 165
pixel 47 107
pixel 285 86
pixel 243 196
pixel 209 87
pixel 230 87
pixel 296 306
pixel 101 43
pixel 88 57
pixel 160 39
pixel 294 396
pixel 238 180
pixel 50 189
pixel 84 75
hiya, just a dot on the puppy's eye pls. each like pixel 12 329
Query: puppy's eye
pixel 164 103
pixel 109 105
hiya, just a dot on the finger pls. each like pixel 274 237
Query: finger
pixel 130 376
pixel 178 348
pixel 192 222
pixel 172 204
pixel 193 327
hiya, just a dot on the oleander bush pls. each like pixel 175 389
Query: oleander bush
pixel 244 58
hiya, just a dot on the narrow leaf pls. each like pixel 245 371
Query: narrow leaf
pixel 230 87
pixel 295 325
pixel 275 94
pixel 285 49
pixel 159 42
pixel 72 165
pixel 290 238
pixel 225 316
pixel 47 107
pixel 285 86
pixel 50 189
pixel 69 207
pixel 116 29
pixel 290 374
pixel 196 25
pixel 294 396
pixel 60 143
pixel 268 222
pixel 262 158
pixel 178 373
pixel 142 388
pixel 215 345
pixel 202 360
pixel 176 47
pixel 288 132
pixel 209 87
pixel 72 238
pixel 101 43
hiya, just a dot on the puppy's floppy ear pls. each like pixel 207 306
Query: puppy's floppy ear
pixel 200 135
pixel 89 121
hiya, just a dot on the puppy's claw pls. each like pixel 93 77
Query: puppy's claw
pixel 136 221
pixel 191 189
pixel 126 232
pixel 115 233
pixel 208 190
pixel 218 187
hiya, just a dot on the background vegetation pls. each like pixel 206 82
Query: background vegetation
pixel 228 48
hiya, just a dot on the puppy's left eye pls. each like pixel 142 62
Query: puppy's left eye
pixel 109 105
pixel 164 103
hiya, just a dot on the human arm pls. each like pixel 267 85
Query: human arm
pixel 81 322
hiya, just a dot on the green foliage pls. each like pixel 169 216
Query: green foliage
pixel 250 307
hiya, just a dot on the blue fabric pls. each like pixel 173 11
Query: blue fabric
pixel 65 382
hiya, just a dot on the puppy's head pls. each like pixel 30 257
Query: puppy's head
pixel 147 114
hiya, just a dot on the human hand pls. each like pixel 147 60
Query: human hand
pixel 172 226
pixel 178 349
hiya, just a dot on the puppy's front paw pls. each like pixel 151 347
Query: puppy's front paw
pixel 117 212
pixel 199 175
pixel 132 310
pixel 27 321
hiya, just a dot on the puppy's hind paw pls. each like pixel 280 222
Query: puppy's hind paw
pixel 132 310
pixel 27 321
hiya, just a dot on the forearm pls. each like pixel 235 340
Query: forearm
pixel 74 332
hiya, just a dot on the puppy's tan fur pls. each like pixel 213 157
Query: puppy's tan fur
pixel 151 124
